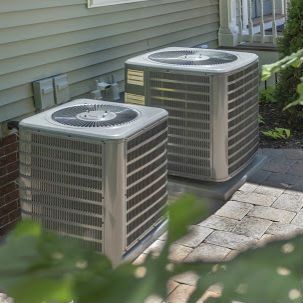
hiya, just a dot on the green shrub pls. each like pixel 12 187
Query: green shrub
pixel 295 60
pixel 277 133
pixel 268 95
pixel 291 42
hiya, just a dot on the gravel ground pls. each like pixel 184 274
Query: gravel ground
pixel 274 117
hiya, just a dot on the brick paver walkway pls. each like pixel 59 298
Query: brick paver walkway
pixel 269 205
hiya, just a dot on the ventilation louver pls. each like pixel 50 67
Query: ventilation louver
pixel 96 172
pixel 212 100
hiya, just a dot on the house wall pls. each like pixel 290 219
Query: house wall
pixel 39 39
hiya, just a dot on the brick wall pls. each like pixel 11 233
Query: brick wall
pixel 9 194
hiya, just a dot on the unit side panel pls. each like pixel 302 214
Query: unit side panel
pixel 243 110
pixel 219 128
pixel 61 185
pixel 114 164
pixel 146 192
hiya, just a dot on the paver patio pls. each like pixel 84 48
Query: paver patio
pixel 269 205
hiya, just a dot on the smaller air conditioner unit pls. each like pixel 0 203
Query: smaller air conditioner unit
pixel 212 100
pixel 96 171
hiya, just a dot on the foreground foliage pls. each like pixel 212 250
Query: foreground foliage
pixel 37 267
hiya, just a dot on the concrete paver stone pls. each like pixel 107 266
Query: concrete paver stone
pixel 252 227
pixel 220 223
pixel 273 214
pixel 180 294
pixel 298 220
pixel 208 253
pixel 195 236
pixel 255 198
pixel 234 210
pixel 278 166
pixel 289 202
pixel 179 252
pixel 189 278
pixel 283 229
pixel 269 190
pixel 297 169
pixel 230 240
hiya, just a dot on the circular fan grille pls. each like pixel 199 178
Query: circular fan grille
pixel 193 57
pixel 94 115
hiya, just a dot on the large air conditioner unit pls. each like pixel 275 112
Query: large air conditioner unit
pixel 212 100
pixel 96 171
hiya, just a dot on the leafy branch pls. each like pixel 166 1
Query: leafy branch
pixel 294 60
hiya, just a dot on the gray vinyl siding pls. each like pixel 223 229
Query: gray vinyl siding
pixel 39 39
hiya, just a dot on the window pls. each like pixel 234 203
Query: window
pixel 96 3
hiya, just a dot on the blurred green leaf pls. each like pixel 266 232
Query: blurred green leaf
pixel 183 212
pixel 26 228
pixel 39 289
pixel 38 267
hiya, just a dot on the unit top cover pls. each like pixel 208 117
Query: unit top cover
pixel 93 118
pixel 196 59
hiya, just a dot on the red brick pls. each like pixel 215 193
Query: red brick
pixel 15 214
pixel 7 188
pixel 5 160
pixel 6 209
pixel 8 140
pixel 9 168
pixel 4 220
pixel 13 166
pixel 11 148
pixel 3 170
pixel 9 177
pixel 8 227
pixel 12 196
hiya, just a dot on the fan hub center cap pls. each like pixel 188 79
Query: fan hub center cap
pixel 96 115
pixel 194 57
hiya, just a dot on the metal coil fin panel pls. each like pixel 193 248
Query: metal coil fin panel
pixel 61 185
pixel 187 100
pixel 243 129
pixel 146 181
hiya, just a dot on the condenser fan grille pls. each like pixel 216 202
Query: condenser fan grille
pixel 193 57
pixel 94 115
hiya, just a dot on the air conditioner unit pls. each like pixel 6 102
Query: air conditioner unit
pixel 96 171
pixel 212 100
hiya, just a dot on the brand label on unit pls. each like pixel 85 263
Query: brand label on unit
pixel 134 99
pixel 135 77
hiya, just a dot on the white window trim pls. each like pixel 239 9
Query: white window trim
pixel 98 3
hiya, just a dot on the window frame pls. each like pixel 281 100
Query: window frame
pixel 100 3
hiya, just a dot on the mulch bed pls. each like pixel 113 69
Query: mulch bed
pixel 274 117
